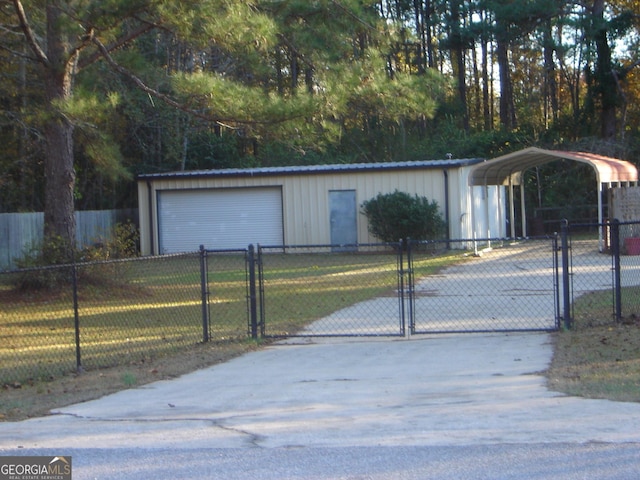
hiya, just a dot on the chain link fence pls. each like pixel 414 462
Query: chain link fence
pixel 37 335
pixel 56 320
pixel 604 274
pixel 61 319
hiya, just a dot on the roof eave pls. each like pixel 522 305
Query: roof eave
pixel 312 170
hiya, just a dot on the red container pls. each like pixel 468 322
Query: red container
pixel 632 245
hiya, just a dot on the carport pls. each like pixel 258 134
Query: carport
pixel 508 170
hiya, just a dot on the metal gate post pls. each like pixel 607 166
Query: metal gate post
pixel 253 302
pixel 261 290
pixel 566 285
pixel 615 252
pixel 411 288
pixel 204 293
pixel 556 279
pixel 401 284
pixel 76 315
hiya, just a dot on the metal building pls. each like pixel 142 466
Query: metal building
pixel 305 205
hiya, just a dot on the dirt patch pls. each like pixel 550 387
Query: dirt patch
pixel 22 401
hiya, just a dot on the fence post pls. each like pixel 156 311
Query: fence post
pixel 204 293
pixel 615 252
pixel 260 290
pixel 402 245
pixel 566 285
pixel 253 306
pixel 556 279
pixel 410 288
pixel 76 315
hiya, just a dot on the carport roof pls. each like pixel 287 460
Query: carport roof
pixel 314 169
pixel 509 168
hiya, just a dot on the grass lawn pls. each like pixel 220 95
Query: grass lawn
pixel 599 358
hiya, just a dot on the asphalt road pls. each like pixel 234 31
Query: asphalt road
pixel 522 462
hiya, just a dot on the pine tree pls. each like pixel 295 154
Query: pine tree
pixel 65 38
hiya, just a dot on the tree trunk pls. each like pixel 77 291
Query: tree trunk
pixel 477 89
pixel 457 48
pixel 421 33
pixel 507 109
pixel 60 176
pixel 606 84
pixel 486 98
pixel 551 84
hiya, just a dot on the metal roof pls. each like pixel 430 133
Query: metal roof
pixel 315 169
pixel 499 170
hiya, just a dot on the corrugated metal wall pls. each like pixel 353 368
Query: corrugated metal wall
pixel 306 201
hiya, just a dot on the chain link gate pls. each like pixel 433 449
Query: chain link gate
pixel 226 295
pixel 419 288
pixel 507 286
pixel 332 290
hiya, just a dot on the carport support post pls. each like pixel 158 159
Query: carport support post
pixel 566 286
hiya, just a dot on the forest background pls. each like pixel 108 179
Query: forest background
pixel 94 92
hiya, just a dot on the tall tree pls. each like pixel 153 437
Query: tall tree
pixel 605 27
pixel 550 79
pixel 605 82
pixel 458 43
pixel 66 37
pixel 261 69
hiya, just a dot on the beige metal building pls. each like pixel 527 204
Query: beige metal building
pixel 307 205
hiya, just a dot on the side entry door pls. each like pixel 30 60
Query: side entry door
pixel 344 218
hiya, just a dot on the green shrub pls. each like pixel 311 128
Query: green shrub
pixel 51 252
pixel 123 243
pixel 398 215
pixel 44 264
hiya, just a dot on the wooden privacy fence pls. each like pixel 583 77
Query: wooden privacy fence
pixel 20 231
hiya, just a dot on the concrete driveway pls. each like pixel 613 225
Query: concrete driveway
pixel 437 391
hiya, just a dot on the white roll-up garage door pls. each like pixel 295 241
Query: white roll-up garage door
pixel 219 219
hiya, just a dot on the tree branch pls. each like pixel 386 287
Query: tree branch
pixel 29 35
pixel 165 98
pixel 628 68
pixel 143 28
pixel 353 15
pixel 15 53
pixel 304 59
